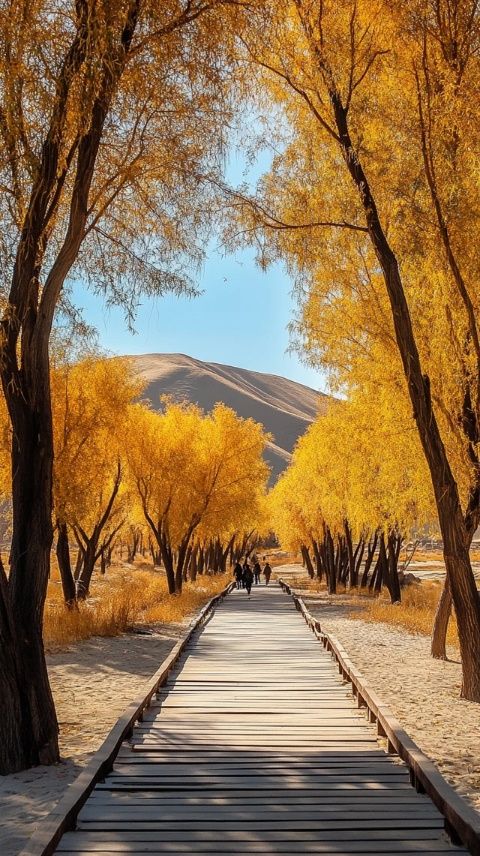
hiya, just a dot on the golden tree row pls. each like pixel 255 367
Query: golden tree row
pixel 182 478
pixel 373 200
pixel 357 487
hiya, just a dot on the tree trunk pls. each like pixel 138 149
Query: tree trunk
pixel 78 563
pixel 167 559
pixel 194 565
pixel 318 560
pixel 357 560
pixel 394 546
pixel 132 546
pixel 88 545
pixel 342 561
pixel 307 561
pixel 86 573
pixel 330 561
pixel 381 569
pixel 351 556
pixel 371 547
pixel 438 648
pixel 224 554
pixel 186 563
pixel 34 739
pixel 450 515
pixel 442 616
pixel 65 567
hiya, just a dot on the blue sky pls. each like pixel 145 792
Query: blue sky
pixel 241 318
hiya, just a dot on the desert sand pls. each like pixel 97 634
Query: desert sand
pixel 284 407
pixel 424 694
pixel 92 682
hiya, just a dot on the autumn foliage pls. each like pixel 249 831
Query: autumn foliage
pixel 373 201
pixel 114 122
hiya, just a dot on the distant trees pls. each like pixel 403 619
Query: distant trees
pixel 198 477
pixel 354 491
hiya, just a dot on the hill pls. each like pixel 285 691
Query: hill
pixel 284 407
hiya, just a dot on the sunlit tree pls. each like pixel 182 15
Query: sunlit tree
pixel 376 187
pixel 192 470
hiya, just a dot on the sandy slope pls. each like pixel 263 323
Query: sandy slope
pixel 284 407
pixel 424 694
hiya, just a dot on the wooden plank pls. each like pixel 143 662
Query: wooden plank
pixel 257 825
pixel 288 848
pixel 229 815
pixel 278 837
pixel 255 744
pixel 317 789
pixel 461 818
pixel 63 817
pixel 253 798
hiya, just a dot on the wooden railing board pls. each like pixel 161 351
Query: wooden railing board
pixel 461 821
pixel 63 817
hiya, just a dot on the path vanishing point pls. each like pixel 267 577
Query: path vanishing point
pixel 255 745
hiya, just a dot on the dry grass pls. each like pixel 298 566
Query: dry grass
pixel 415 613
pixel 121 599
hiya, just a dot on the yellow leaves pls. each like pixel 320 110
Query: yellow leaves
pixel 200 473
pixel 362 462
pixel 90 402
pixel 408 86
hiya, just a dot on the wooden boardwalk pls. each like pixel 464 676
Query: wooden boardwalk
pixel 255 746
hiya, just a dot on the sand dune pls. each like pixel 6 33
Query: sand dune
pixel 284 407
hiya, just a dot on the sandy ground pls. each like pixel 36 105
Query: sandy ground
pixel 93 682
pixel 424 694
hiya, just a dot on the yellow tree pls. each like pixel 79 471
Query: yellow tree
pixel 108 112
pixel 191 469
pixel 362 171
pixel 90 401
pixel 163 461
pixel 338 490
pixel 237 514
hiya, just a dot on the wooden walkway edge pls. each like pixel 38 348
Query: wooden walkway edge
pixel 252 739
pixel 64 816
pixel 461 821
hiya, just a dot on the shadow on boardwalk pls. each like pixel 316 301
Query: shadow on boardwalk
pixel 255 746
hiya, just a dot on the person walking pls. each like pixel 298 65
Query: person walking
pixel 248 578
pixel 246 567
pixel 256 573
pixel 238 574
pixel 268 572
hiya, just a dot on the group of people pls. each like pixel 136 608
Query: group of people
pixel 247 575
